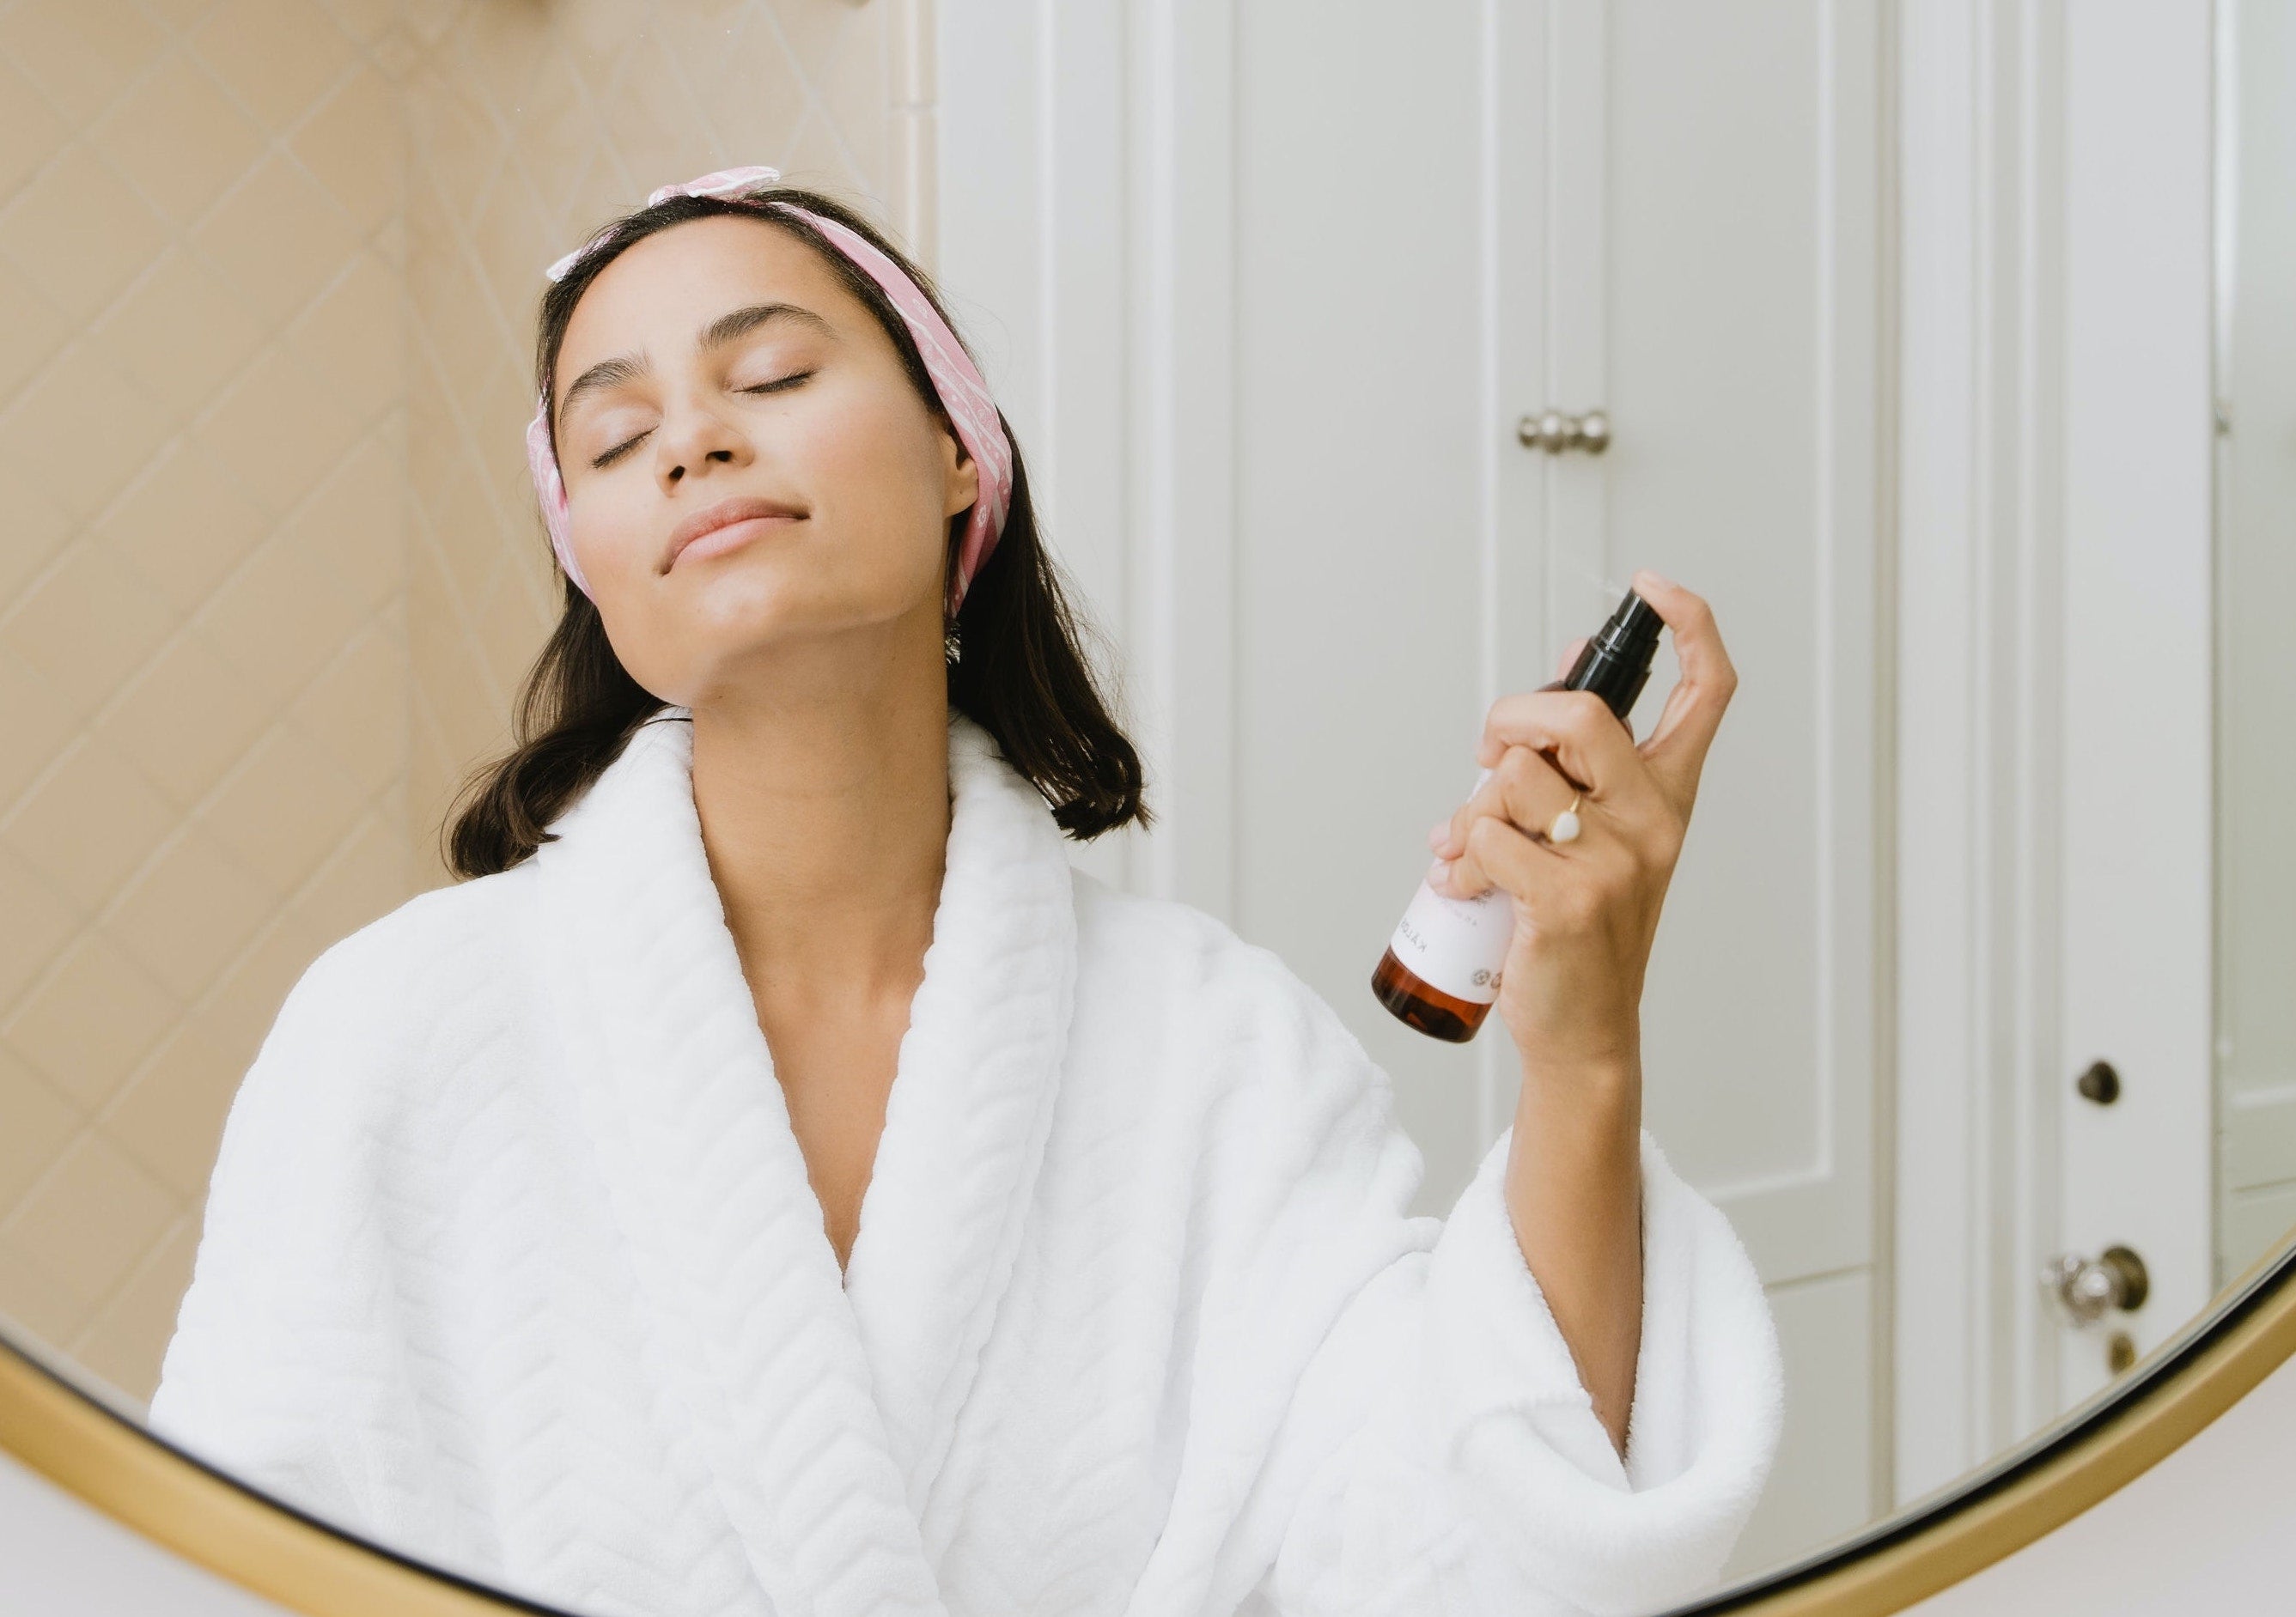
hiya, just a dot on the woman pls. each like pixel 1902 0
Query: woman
pixel 778 1182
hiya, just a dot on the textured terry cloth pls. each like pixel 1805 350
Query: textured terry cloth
pixel 510 1261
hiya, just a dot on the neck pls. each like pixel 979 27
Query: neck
pixel 826 830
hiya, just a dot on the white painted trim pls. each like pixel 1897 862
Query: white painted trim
pixel 1495 1084
pixel 1182 622
pixel 1977 691
pixel 1936 1089
pixel 916 181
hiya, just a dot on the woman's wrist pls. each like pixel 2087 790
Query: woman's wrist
pixel 1613 1069
pixel 1580 1120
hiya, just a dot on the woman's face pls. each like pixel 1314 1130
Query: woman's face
pixel 720 360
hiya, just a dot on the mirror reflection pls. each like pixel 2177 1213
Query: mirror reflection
pixel 719 902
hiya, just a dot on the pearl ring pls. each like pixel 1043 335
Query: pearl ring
pixel 1564 826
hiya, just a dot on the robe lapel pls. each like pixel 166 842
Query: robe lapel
pixel 824 1405
pixel 971 1106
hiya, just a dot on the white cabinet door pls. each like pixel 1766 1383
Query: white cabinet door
pixel 1266 288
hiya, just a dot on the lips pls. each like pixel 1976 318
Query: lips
pixel 711 518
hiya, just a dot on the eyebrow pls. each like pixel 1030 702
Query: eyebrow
pixel 727 328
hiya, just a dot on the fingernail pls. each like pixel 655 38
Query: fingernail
pixel 1438 835
pixel 1438 872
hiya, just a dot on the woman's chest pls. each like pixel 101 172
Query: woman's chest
pixel 836 1080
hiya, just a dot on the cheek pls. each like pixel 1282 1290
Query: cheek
pixel 616 522
pixel 866 452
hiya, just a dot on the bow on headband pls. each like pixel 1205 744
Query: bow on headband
pixel 957 380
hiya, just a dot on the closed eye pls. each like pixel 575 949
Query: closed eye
pixel 626 444
pixel 776 387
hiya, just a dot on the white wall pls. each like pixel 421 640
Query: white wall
pixel 59 1555
pixel 2206 1530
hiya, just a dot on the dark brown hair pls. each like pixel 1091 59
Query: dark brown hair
pixel 1021 675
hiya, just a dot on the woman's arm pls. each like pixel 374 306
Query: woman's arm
pixel 1586 913
pixel 1574 1197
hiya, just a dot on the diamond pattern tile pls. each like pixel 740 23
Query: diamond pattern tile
pixel 280 57
pixel 272 573
pixel 79 233
pixel 180 139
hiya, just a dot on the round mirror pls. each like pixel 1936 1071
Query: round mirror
pixel 451 961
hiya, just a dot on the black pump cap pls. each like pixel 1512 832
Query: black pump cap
pixel 1617 661
pixel 1633 630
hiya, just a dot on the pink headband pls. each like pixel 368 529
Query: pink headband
pixel 954 377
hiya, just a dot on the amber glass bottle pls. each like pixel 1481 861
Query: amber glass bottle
pixel 1440 972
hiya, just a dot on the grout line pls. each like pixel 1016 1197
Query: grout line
pixel 813 102
pixel 194 812
pixel 683 82
pixel 107 911
pixel 136 1271
pixel 92 1121
pixel 188 622
pixel 185 423
pixel 421 516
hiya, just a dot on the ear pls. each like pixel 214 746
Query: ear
pixel 961 477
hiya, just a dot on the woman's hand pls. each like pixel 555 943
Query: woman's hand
pixel 1585 911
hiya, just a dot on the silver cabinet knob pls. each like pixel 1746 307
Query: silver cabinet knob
pixel 2086 1289
pixel 1555 432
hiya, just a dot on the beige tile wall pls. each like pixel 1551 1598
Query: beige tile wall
pixel 269 568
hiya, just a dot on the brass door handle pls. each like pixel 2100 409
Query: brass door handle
pixel 1555 432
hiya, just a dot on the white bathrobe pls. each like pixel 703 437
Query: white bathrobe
pixel 511 1262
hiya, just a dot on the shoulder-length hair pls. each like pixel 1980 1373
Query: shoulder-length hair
pixel 1021 675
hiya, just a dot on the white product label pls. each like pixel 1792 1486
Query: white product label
pixel 1458 945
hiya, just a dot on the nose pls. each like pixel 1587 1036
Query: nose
pixel 693 436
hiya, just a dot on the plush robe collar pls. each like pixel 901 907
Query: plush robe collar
pixel 824 1406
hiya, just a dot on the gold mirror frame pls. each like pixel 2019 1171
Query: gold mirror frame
pixel 100 1454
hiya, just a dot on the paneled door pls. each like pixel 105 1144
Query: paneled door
pixel 1303 310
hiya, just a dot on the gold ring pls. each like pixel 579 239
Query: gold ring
pixel 1564 826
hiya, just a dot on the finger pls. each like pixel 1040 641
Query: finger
pixel 1527 791
pixel 1578 729
pixel 1497 853
pixel 1677 748
pixel 1538 790
pixel 1570 656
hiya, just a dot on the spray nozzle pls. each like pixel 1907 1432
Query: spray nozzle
pixel 1617 661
